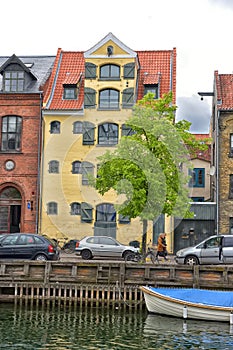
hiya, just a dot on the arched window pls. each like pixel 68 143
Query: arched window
pixel 75 208
pixel 108 134
pixel 105 212
pixel 11 133
pixel 55 127
pixel 109 99
pixel 77 128
pixel 110 72
pixel 52 208
pixel 76 167
pixel 54 167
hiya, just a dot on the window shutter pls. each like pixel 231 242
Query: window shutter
pixel 128 98
pixel 86 212
pixel 89 98
pixel 129 71
pixel 88 133
pixel 87 168
pixel 126 130
pixel 90 70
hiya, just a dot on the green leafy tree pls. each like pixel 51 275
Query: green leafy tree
pixel 146 167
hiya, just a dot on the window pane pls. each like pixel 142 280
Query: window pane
pixel 108 134
pixel 11 133
pixel 109 99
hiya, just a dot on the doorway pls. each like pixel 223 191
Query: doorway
pixel 10 210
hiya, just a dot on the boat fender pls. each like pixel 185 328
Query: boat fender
pixel 231 317
pixel 185 312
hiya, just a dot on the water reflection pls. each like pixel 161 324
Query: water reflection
pixel 45 327
pixel 190 334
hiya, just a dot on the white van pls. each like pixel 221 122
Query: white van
pixel 216 249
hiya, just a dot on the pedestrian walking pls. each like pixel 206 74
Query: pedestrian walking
pixel 162 247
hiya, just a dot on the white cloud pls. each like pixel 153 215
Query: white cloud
pixel 199 29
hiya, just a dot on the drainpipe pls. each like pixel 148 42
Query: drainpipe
pixel 217 172
pixel 38 194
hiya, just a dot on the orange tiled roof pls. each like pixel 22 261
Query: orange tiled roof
pixel 158 62
pixel 224 90
pixel 204 155
pixel 68 69
pixel 155 66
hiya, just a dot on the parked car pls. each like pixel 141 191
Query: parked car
pixel 103 246
pixel 27 246
pixel 216 249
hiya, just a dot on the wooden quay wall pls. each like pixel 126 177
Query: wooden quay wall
pixel 96 283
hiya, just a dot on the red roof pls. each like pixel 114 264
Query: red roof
pixel 204 155
pixel 69 68
pixel 224 90
pixel 154 63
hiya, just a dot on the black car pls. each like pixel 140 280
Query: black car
pixel 27 246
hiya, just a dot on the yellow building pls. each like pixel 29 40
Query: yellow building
pixel 88 99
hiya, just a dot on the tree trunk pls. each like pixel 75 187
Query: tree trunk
pixel 144 236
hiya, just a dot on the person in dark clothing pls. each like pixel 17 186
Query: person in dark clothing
pixel 162 246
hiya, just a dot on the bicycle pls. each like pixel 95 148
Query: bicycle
pixel 67 247
pixel 139 258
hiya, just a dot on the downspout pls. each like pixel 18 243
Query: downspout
pixel 217 172
pixel 38 194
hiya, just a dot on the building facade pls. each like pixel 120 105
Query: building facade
pixel 222 150
pixel 20 140
pixel 88 99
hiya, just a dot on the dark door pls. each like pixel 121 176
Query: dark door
pixel 15 214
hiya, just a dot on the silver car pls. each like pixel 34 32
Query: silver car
pixel 102 246
pixel 216 249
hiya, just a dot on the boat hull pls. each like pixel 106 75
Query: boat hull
pixel 164 305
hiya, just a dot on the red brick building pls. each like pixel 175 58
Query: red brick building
pixel 21 81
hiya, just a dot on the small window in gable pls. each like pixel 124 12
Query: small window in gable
pixel 53 167
pixel 70 92
pixel 52 208
pixel 75 208
pixel 77 128
pixel 55 127
pixel 154 89
pixel 13 81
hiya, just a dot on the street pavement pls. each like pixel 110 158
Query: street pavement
pixel 75 258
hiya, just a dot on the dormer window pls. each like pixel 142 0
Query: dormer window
pixel 13 81
pixel 153 89
pixel 70 92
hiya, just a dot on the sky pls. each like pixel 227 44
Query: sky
pixel 200 30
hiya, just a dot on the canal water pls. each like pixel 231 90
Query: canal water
pixel 33 327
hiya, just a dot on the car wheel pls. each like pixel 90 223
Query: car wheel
pixel 191 260
pixel 41 257
pixel 129 257
pixel 86 254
